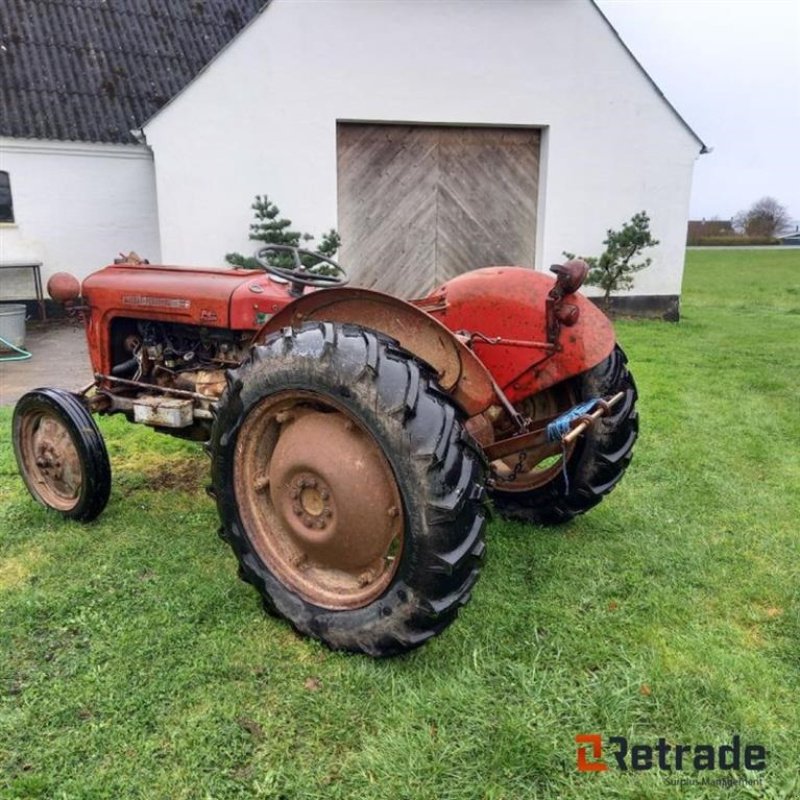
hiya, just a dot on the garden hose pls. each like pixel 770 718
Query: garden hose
pixel 17 354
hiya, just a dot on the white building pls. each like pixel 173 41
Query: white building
pixel 75 206
pixel 437 136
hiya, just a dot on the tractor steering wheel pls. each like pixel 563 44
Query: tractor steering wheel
pixel 300 275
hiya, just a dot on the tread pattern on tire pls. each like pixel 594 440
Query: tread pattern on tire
pixel 439 469
pixel 96 488
pixel 600 457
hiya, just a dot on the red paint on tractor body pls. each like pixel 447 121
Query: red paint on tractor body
pixel 507 304
pixel 209 297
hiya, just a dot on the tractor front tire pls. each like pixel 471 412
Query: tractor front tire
pixel 348 488
pixel 597 462
pixel 61 454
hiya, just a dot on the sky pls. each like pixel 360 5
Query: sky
pixel 732 70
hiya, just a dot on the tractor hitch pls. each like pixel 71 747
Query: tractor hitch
pixel 584 421
pixel 541 438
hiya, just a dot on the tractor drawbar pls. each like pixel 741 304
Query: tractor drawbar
pixel 565 428
pixel 585 421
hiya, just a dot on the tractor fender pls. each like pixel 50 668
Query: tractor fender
pixel 505 309
pixel 460 372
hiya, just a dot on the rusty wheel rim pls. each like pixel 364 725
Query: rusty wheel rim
pixel 50 460
pixel 318 499
pixel 546 463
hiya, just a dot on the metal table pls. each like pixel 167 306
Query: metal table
pixel 35 267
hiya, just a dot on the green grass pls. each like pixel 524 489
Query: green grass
pixel 133 663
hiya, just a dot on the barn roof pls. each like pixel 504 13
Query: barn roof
pixel 93 70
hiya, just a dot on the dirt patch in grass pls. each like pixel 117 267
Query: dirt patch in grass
pixel 14 571
pixel 152 471
pixel 187 475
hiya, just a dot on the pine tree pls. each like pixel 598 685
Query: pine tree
pixel 614 269
pixel 269 227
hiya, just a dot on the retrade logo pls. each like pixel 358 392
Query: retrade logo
pixel 666 757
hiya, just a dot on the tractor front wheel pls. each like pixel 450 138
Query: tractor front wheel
pixel 348 489
pixel 61 454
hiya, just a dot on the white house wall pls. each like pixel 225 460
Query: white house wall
pixel 76 206
pixel 262 118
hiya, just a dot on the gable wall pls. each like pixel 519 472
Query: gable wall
pixel 263 118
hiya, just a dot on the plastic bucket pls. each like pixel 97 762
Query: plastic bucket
pixel 12 325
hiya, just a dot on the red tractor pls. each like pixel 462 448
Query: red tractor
pixel 353 436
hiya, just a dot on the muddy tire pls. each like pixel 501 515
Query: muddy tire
pixel 298 420
pixel 61 454
pixel 597 462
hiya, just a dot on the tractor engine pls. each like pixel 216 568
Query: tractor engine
pixel 174 356
pixel 186 363
pixel 161 337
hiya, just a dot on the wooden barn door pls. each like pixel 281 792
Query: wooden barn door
pixel 421 204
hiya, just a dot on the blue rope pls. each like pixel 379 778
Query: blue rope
pixel 560 426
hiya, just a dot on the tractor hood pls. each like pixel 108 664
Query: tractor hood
pixel 189 295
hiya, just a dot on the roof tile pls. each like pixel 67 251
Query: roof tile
pixel 91 70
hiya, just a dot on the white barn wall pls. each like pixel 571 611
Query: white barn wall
pixel 263 117
pixel 76 206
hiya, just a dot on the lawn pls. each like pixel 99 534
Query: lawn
pixel 133 663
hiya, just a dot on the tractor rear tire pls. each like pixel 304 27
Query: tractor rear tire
pixel 598 460
pixel 61 454
pixel 309 409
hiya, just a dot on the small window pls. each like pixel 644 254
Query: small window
pixel 6 206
